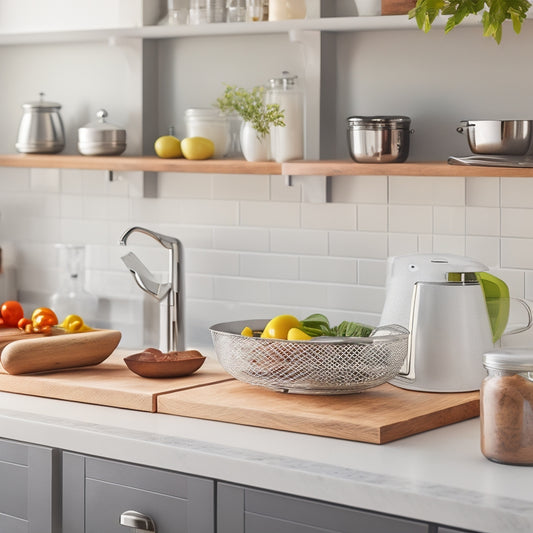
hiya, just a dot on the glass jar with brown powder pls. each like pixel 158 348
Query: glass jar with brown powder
pixel 507 406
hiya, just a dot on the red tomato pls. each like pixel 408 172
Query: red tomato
pixel 11 312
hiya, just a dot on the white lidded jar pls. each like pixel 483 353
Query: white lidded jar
pixel 286 9
pixel 287 142
pixel 211 124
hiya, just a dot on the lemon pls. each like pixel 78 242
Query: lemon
pixel 247 332
pixel 168 147
pixel 279 327
pixel 197 148
pixel 296 334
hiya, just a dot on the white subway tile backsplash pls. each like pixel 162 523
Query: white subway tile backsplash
pixel 241 289
pixel 328 269
pixel 483 221
pixel 449 220
pixel 517 223
pixel 356 298
pixel 449 244
pixel 410 219
pixel 305 242
pixel 312 295
pixel 212 262
pixel 199 286
pixel 484 249
pixel 281 192
pixel 184 185
pixel 269 214
pixel 516 253
pixel 358 244
pixel 517 192
pixel 372 217
pixel 239 238
pixel 416 190
pixel 359 189
pixel 402 243
pixel 253 248
pixel 372 272
pixel 14 180
pixel 45 180
pixel 483 192
pixel 269 266
pixel 329 216
pixel 241 187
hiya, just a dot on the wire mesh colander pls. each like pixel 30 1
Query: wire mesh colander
pixel 327 365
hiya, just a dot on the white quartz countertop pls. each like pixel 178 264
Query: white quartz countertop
pixel 439 476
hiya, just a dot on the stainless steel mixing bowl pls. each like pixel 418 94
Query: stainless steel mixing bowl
pixel 498 137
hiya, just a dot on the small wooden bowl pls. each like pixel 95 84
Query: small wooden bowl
pixel 153 363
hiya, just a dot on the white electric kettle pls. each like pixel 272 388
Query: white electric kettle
pixel 455 312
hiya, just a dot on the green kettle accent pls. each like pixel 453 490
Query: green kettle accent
pixel 497 299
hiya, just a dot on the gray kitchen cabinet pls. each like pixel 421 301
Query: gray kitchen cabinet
pixel 96 492
pixel 29 500
pixel 247 510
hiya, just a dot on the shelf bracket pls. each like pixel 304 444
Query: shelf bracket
pixel 315 189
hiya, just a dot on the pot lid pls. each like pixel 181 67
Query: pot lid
pixel 101 123
pixel 100 130
pixel 379 121
pixel 514 359
pixel 41 104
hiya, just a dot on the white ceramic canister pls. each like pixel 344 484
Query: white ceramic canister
pixel 211 124
pixel 287 142
pixel 286 9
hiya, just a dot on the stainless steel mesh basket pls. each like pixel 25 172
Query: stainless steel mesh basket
pixel 326 365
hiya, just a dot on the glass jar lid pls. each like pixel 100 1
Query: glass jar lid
pixel 285 82
pixel 204 113
pixel 379 122
pixel 513 359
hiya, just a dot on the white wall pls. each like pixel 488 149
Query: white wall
pixel 253 249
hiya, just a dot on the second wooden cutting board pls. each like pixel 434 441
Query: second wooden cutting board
pixel 378 415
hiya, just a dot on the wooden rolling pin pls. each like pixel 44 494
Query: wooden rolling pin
pixel 58 352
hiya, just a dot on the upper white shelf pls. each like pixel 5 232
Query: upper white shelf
pixel 333 24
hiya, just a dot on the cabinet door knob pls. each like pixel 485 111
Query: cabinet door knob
pixel 139 521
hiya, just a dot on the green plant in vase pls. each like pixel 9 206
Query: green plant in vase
pixel 252 108
pixel 258 117
pixel 494 14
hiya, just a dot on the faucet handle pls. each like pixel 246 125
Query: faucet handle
pixel 144 277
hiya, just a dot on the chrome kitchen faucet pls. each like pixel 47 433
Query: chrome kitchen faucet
pixel 169 294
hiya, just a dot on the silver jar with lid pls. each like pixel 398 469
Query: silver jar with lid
pixel 101 137
pixel 379 139
pixel 41 128
pixel 506 402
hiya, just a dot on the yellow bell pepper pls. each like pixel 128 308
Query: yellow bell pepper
pixel 74 324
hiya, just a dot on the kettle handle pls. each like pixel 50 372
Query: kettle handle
pixel 520 329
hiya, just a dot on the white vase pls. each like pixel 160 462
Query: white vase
pixel 253 146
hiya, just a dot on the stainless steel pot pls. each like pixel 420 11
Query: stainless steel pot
pixel 41 128
pixel 379 139
pixel 101 137
pixel 498 137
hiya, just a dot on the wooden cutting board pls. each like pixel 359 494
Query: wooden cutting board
pixel 378 415
pixel 110 383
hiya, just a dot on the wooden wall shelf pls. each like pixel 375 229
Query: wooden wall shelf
pixel 240 166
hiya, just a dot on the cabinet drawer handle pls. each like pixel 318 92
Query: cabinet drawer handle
pixel 139 521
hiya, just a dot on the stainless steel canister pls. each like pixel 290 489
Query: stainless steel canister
pixel 379 139
pixel 41 128
pixel 101 137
